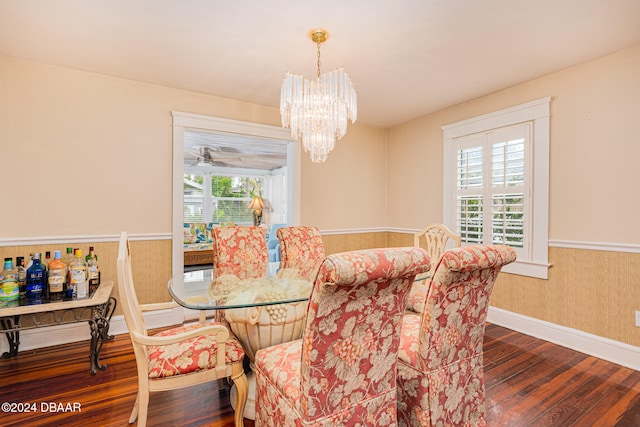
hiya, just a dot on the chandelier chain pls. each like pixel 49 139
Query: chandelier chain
pixel 318 44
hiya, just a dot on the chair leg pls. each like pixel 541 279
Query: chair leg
pixel 142 406
pixel 242 390
pixel 134 413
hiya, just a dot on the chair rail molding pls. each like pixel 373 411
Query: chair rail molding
pixel 596 246
pixel 98 238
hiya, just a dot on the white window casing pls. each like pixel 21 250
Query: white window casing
pixel 496 182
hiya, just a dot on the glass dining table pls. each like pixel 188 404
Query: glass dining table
pixel 261 312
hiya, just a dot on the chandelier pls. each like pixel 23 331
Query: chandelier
pixel 317 111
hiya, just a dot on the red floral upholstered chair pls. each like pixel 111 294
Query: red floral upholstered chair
pixel 241 251
pixel 301 250
pixel 435 238
pixel 440 371
pixel 343 371
pixel 177 357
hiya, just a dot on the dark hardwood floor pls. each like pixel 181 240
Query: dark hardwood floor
pixel 529 382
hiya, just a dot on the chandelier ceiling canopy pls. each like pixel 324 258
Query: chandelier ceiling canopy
pixel 317 111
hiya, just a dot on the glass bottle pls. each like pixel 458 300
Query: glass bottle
pixel 68 256
pixel 86 258
pixel 78 273
pixel 93 272
pixel 36 279
pixel 22 276
pixel 9 290
pixel 57 278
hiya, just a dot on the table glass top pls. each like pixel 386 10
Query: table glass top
pixel 202 290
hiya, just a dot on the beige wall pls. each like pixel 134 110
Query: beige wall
pixel 594 154
pixel 97 149
pixel 348 191
pixel 106 143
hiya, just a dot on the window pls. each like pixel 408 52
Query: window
pixel 496 182
pixel 219 198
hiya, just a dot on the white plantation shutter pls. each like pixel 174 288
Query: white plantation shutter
pixel 470 183
pixel 492 197
pixel 509 175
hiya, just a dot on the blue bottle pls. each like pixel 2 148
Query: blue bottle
pixel 36 279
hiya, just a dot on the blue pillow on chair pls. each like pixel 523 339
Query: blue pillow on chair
pixel 273 244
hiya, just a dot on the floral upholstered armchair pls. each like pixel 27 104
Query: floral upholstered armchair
pixel 302 251
pixel 343 370
pixel 240 251
pixel 440 371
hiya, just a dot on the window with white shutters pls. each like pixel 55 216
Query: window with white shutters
pixel 491 196
pixel 492 165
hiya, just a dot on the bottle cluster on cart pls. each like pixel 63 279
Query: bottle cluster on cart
pixel 61 278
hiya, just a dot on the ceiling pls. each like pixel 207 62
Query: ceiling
pixel 407 58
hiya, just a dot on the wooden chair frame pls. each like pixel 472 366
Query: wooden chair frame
pixel 140 342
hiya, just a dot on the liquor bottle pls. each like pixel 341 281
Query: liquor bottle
pixel 22 276
pixel 45 262
pixel 86 258
pixel 36 279
pixel 78 273
pixel 93 272
pixel 57 278
pixel 9 290
pixel 68 256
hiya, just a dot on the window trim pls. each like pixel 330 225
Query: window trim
pixel 538 113
pixel 183 121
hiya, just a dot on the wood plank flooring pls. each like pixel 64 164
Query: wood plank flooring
pixel 529 382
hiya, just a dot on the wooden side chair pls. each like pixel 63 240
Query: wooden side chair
pixel 440 366
pixel 178 357
pixel 343 371
pixel 436 239
pixel 301 251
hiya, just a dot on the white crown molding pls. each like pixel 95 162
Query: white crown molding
pixel 55 240
pixel 593 345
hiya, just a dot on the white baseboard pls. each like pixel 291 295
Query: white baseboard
pixel 73 332
pixel 593 345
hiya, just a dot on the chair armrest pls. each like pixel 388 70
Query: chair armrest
pixel 220 331
pixel 159 306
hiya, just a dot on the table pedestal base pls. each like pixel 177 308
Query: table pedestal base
pixel 250 408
